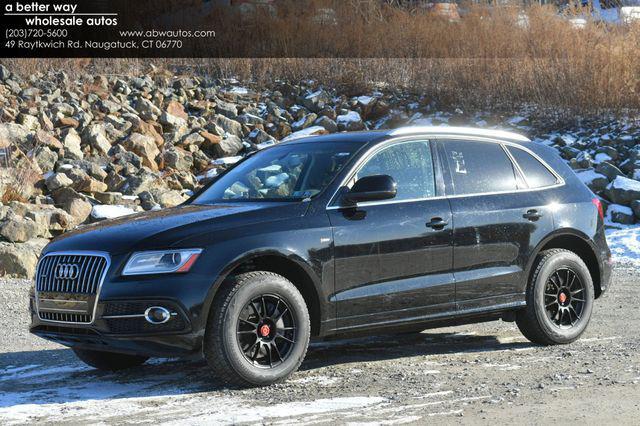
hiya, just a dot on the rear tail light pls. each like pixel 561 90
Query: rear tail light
pixel 598 204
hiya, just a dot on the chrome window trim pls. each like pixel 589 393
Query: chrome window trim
pixel 441 137
pixel 102 254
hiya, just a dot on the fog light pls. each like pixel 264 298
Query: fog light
pixel 157 315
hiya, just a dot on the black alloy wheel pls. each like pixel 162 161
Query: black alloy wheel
pixel 564 298
pixel 258 330
pixel 559 299
pixel 266 331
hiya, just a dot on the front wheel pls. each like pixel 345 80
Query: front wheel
pixel 559 299
pixel 258 330
pixel 109 361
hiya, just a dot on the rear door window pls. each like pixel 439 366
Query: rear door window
pixel 536 173
pixel 479 167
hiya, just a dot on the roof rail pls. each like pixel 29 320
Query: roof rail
pixel 467 131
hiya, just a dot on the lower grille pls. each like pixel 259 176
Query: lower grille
pixel 128 318
pixel 65 317
pixel 68 286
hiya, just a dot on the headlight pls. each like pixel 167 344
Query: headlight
pixel 161 262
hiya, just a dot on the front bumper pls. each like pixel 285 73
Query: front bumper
pixel 120 326
pixel 118 323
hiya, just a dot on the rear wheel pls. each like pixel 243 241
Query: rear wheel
pixel 258 330
pixel 559 299
pixel 109 361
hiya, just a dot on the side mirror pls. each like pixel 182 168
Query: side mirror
pixel 372 188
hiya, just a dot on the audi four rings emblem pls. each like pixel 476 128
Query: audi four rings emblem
pixel 66 271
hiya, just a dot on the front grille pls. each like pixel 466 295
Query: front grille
pixel 78 274
pixel 67 286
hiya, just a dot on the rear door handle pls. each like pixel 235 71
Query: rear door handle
pixel 532 215
pixel 437 223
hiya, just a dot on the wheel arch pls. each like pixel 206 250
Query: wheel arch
pixel 574 241
pixel 290 266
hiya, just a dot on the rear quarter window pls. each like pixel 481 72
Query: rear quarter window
pixel 536 173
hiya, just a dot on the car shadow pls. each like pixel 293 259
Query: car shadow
pixel 56 376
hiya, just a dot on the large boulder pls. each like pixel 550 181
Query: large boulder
pixel 73 203
pixel 145 147
pixel 228 125
pixel 20 260
pixel 57 181
pixel 45 158
pixel 96 137
pixel 623 190
pixel 18 230
pixel 72 147
pixel 351 121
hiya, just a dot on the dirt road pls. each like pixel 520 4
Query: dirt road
pixel 473 374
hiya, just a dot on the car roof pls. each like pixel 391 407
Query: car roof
pixel 373 135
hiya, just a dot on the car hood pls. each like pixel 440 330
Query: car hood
pixel 169 227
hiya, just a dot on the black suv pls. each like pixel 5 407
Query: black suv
pixel 336 235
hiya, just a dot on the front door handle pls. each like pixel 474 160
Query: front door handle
pixel 437 223
pixel 532 215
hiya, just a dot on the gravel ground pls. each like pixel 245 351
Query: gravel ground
pixel 484 373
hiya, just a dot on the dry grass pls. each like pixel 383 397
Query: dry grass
pixel 488 59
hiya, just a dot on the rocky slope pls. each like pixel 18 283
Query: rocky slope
pixel 94 147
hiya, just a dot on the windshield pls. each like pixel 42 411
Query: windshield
pixel 282 173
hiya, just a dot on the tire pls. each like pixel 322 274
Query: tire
pixel 109 361
pixel 237 350
pixel 550 321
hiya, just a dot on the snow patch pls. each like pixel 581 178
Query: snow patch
pixel 110 212
pixel 349 117
pixel 625 244
pixel 309 131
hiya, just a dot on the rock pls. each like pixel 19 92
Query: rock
pixel 45 158
pixel 169 198
pixel 145 147
pixel 29 121
pixel 68 122
pixel 327 123
pixel 5 74
pixel 172 122
pixel 20 260
pixel 52 219
pixel 259 136
pixel 623 190
pixel 609 170
pixel 304 122
pixel 229 125
pixel 14 134
pixel 316 100
pixel 595 181
pixel 147 201
pixel 73 203
pixel 147 109
pixel 635 207
pixel 57 181
pixel 351 121
pixel 227 109
pixel 135 184
pixel 177 158
pixel 229 146
pixel 90 185
pixel 96 136
pixel 44 138
pixel 108 197
pixel 18 230
pixel 108 107
pixel 71 143
pixel 621 214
